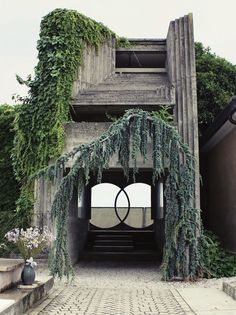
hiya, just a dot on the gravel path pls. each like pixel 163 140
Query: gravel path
pixel 113 274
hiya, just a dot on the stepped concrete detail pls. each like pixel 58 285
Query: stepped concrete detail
pixel 10 272
pixel 129 89
pixel 97 65
pixel 17 301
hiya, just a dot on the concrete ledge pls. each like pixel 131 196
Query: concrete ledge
pixel 10 272
pixel 140 70
pixel 17 301
pixel 230 289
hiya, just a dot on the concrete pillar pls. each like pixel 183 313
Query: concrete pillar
pixel 77 228
pixel 157 204
pixel 44 191
pixel 182 74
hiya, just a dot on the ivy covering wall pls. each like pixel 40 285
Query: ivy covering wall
pixel 39 125
pixel 9 187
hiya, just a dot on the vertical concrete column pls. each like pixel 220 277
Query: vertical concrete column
pixel 77 227
pixel 84 206
pixel 44 192
pixel 157 206
pixel 182 74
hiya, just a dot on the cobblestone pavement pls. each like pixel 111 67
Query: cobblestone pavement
pixel 103 301
pixel 115 288
pixel 131 288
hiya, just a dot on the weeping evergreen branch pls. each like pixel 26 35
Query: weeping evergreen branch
pixel 129 137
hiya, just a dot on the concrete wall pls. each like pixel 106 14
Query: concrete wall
pixel 97 65
pixel 182 74
pixel 85 132
pixel 44 192
pixel 220 184
pixel 77 226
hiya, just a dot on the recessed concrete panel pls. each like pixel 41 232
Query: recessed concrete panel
pixel 85 132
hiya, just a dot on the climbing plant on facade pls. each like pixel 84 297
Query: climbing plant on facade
pixel 128 136
pixel 39 124
pixel 9 188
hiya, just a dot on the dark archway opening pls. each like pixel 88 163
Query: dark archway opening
pixel 122 219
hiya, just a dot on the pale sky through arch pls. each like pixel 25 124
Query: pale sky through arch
pixel 20 20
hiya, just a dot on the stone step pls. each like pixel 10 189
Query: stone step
pixel 113 241
pixel 113 248
pixel 229 288
pixel 120 243
pixel 10 272
pixel 114 237
pixel 18 300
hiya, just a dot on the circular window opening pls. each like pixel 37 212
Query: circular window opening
pixel 140 205
pixel 112 205
pixel 102 202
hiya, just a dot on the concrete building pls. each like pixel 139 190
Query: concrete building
pixel 149 74
pixel 218 165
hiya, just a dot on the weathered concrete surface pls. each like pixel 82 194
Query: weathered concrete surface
pixel 124 88
pixel 44 191
pixel 97 65
pixel 85 132
pixel 10 272
pixel 220 190
pixel 17 301
pixel 208 301
pixel 229 287
pixel 182 73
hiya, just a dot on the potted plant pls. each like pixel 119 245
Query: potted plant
pixel 30 242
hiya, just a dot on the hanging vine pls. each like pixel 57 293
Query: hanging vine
pixel 39 124
pixel 128 136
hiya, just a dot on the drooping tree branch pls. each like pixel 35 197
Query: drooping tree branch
pixel 129 137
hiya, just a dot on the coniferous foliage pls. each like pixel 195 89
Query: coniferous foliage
pixel 216 84
pixel 129 137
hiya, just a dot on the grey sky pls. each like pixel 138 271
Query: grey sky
pixel 139 195
pixel 214 23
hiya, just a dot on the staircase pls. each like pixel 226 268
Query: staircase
pixel 118 244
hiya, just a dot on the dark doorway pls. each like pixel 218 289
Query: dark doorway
pixel 123 218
